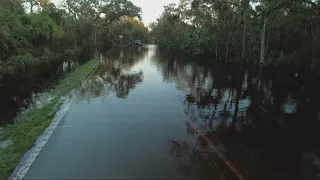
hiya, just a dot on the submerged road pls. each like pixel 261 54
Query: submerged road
pixel 121 126
pixel 141 115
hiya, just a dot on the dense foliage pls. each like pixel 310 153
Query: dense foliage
pixel 37 33
pixel 260 31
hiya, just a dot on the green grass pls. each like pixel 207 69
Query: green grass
pixel 33 121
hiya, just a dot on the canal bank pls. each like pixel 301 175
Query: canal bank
pixel 32 121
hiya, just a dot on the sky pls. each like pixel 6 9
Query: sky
pixel 151 9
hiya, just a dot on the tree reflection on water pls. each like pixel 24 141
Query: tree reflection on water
pixel 267 121
pixel 114 75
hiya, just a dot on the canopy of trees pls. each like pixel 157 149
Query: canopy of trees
pixel 259 31
pixel 35 33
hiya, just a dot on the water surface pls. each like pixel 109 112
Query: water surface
pixel 21 90
pixel 139 116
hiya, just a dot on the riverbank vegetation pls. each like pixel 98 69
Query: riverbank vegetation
pixel 37 33
pixel 263 31
pixel 37 37
pixel 40 40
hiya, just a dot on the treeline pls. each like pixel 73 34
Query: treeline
pixel 37 33
pixel 255 31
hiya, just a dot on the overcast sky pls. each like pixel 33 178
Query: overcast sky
pixel 151 9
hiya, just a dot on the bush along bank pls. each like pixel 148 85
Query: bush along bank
pixel 18 138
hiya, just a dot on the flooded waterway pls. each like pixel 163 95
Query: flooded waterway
pixel 147 115
pixel 21 90
pixel 266 123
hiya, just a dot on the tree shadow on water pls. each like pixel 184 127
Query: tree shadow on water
pixel 197 160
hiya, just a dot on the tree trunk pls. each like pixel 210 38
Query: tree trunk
pixel 238 95
pixel 245 27
pixel 315 45
pixel 267 44
pixel 217 33
pixel 314 53
pixel 216 49
pixel 31 7
pixel 95 45
pixel 263 39
pixel 227 53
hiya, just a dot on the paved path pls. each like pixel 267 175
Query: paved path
pixel 107 137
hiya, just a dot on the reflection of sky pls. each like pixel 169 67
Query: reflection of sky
pixel 226 116
pixel 224 112
pixel 289 106
pixel 117 76
pixel 192 80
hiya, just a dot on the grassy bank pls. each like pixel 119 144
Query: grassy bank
pixel 34 120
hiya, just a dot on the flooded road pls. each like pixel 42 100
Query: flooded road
pixel 144 116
